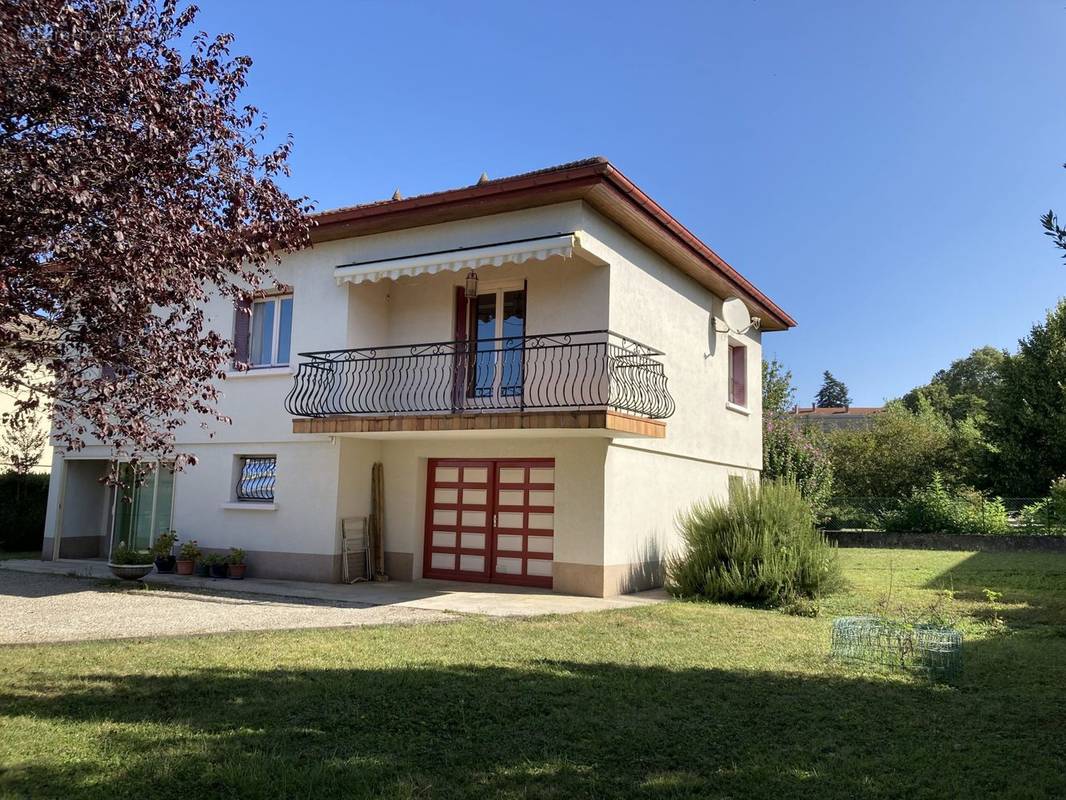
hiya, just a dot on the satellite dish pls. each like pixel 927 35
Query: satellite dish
pixel 735 314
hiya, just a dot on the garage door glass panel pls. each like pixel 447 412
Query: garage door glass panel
pixel 443 539
pixel 542 476
pixel 539 566
pixel 540 544
pixel 512 497
pixel 509 519
pixel 443 561
pixel 472 563
pixel 512 475
pixel 511 544
pixel 509 566
pixel 473 541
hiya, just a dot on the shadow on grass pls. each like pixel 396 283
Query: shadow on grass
pixel 548 729
pixel 1032 586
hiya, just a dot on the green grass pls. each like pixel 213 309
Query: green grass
pixel 678 700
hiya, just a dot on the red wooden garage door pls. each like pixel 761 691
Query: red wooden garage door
pixel 490 520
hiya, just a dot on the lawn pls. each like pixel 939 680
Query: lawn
pixel 677 700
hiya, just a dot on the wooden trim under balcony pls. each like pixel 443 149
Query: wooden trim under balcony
pixel 624 424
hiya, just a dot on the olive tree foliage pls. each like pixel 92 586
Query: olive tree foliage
pixel 133 186
pixel 792 452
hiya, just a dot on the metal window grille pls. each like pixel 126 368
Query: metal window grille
pixel 257 478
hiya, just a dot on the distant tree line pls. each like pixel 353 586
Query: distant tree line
pixel 994 422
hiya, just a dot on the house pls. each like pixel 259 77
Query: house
pixel 849 418
pixel 548 366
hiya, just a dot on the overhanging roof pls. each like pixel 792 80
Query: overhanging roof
pixel 595 181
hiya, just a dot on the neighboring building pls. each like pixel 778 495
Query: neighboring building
pixel 540 425
pixel 7 405
pixel 835 419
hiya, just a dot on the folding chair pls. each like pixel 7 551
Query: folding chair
pixel 355 544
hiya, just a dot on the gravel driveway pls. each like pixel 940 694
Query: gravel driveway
pixel 51 608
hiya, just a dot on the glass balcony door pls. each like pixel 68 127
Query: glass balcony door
pixel 496 330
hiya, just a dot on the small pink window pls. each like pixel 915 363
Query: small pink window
pixel 738 375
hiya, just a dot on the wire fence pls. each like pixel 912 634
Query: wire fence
pixel 1039 516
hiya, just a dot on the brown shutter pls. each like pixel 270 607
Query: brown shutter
pixel 242 329
pixel 459 367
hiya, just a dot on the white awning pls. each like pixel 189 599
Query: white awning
pixel 491 255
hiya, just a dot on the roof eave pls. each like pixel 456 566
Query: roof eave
pixel 637 213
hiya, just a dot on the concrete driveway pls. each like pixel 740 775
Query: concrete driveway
pixel 40 607
pixel 48 601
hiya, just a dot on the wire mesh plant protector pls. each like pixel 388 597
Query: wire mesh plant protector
pixel 932 649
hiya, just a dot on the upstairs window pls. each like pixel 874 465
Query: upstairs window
pixel 256 479
pixel 738 375
pixel 263 337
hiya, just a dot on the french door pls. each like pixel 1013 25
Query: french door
pixel 495 331
pixel 491 521
pixel 140 511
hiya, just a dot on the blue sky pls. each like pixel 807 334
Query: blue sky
pixel 879 169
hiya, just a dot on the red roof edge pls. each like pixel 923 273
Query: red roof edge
pixel 573 175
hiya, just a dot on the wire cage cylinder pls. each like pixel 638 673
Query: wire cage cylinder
pixel 932 649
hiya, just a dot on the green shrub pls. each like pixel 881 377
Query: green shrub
pixel 760 547
pixel 1048 514
pixel 163 546
pixel 938 509
pixel 126 556
pixel 23 500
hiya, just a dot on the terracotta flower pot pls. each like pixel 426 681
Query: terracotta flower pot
pixel 185 566
pixel 236 571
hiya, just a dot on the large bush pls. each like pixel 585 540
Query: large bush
pixel 938 508
pixel 23 499
pixel 791 452
pixel 796 454
pixel 900 452
pixel 760 547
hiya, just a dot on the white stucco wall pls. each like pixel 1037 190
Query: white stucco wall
pixel 615 500
pixel 648 481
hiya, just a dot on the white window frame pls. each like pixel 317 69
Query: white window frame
pixel 275 336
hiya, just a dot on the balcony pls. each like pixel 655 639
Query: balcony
pixel 582 379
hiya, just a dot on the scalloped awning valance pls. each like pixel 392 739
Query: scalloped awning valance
pixel 489 255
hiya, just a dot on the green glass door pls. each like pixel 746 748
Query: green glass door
pixel 142 512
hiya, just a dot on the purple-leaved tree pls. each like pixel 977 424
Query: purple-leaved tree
pixel 133 185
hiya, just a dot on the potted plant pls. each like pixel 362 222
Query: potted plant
pixel 216 565
pixel 236 565
pixel 203 568
pixel 187 555
pixel 163 550
pixel 129 564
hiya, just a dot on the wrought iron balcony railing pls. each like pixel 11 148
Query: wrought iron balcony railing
pixel 556 371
